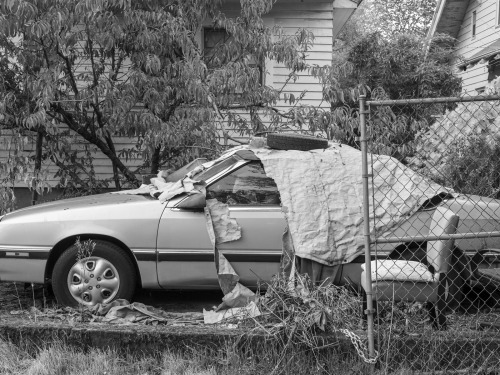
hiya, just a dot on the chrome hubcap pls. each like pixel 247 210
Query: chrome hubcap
pixel 93 280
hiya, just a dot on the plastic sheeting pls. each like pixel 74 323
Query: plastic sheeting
pixel 167 186
pixel 222 228
pixel 237 313
pixel 121 311
pixel 321 195
pixel 164 190
pixel 322 198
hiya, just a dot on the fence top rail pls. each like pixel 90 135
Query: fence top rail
pixel 453 99
pixel 455 236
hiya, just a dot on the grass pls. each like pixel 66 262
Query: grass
pixel 24 296
pixel 294 319
pixel 57 359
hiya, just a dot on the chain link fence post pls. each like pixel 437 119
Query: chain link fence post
pixel 434 227
pixel 366 229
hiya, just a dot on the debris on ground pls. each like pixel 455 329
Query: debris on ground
pixel 307 307
pixel 237 314
pixel 122 312
pixel 117 312
pixel 222 228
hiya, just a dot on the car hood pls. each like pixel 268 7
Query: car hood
pixel 100 200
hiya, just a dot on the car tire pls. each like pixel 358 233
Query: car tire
pixel 301 142
pixel 107 274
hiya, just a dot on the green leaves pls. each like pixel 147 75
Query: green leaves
pixel 387 66
pixel 87 72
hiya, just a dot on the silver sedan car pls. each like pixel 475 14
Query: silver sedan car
pixel 141 242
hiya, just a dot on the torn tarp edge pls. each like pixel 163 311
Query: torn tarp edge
pixel 222 228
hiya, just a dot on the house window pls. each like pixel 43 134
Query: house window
pixel 216 53
pixel 480 90
pixel 214 41
pixel 474 24
pixel 493 69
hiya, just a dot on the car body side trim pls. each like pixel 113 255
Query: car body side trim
pixel 165 255
pixel 262 208
pixel 241 208
pixel 145 255
pixel 16 254
pixel 24 254
pixel 18 248
pixel 31 252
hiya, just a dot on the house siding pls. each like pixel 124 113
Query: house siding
pixel 487 31
pixel 316 17
pixel 290 16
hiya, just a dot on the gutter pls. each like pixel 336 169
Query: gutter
pixel 435 21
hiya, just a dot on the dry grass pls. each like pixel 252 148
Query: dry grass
pixel 294 319
pixel 21 296
pixel 57 359
pixel 13 360
pixel 296 314
pixel 60 360
pixel 305 306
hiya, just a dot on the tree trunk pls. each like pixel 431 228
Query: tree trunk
pixel 155 161
pixel 116 174
pixel 38 163
pixel 69 120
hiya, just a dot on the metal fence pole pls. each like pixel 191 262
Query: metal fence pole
pixel 366 219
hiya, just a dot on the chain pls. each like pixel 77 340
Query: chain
pixel 360 346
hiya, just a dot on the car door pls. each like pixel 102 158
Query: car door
pixel 185 254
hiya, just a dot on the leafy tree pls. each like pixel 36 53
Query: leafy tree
pixel 95 70
pixel 403 66
pixel 398 68
pixel 391 17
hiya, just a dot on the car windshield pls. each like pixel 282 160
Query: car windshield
pixel 216 169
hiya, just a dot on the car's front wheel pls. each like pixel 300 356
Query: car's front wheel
pixel 100 277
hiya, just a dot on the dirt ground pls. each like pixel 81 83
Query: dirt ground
pixel 24 301
pixel 20 296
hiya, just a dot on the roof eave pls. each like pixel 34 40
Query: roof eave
pixel 448 17
pixel 436 18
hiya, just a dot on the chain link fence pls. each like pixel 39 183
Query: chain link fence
pixel 432 277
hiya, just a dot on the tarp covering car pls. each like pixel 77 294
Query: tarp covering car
pixel 321 196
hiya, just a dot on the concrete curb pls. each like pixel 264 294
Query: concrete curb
pixel 145 339
pixel 142 339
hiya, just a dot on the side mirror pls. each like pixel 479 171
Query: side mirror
pixel 195 201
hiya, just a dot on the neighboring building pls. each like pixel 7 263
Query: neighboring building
pixel 476 26
pixel 325 18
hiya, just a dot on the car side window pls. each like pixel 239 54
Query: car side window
pixel 247 185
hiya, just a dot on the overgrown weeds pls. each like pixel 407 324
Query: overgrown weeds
pixel 301 309
pixel 302 306
pixel 228 359
pixel 84 249
pixel 23 297
pixel 475 166
pixel 297 311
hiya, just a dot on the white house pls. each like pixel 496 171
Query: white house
pixel 475 24
pixel 324 18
